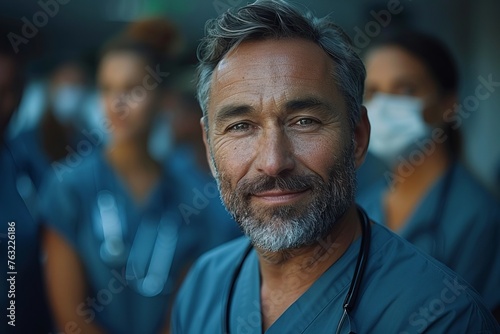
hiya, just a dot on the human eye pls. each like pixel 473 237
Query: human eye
pixel 239 127
pixel 407 89
pixel 306 122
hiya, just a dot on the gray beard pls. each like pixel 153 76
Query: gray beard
pixel 291 227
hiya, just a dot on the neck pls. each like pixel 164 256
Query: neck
pixel 410 185
pixel 419 177
pixel 292 272
pixel 128 155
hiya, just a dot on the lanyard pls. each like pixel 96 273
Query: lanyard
pixel 149 256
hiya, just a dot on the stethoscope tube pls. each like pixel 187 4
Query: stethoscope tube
pixel 352 294
pixel 149 257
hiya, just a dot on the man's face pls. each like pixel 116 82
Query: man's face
pixel 280 142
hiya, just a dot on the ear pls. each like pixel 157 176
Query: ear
pixel 361 137
pixel 207 144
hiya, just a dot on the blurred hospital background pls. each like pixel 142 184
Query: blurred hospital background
pixel 63 46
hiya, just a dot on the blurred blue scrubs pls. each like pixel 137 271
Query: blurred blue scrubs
pixel 17 201
pixel 182 162
pixel 134 255
pixel 402 291
pixel 369 172
pixel 458 223
pixel 30 159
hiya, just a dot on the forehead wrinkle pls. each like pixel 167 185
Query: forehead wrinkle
pixel 277 101
pixel 280 70
pixel 263 59
pixel 252 53
pixel 244 86
pixel 254 66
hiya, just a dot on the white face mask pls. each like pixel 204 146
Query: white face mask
pixel 67 102
pixel 397 122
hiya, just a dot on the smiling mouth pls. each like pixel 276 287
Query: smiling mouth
pixel 280 196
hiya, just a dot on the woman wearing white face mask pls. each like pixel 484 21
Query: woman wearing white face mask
pixel 64 117
pixel 426 195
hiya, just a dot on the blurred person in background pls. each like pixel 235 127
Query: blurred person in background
pixel 188 157
pixel 117 244
pixel 62 125
pixel 428 197
pixel 182 148
pixel 161 35
pixel 30 312
pixel 184 113
pixel 64 117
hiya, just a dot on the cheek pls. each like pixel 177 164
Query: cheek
pixel 141 110
pixel 433 115
pixel 318 154
pixel 110 107
pixel 234 158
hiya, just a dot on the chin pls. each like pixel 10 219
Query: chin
pixel 124 134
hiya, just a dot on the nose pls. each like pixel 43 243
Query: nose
pixel 117 105
pixel 275 155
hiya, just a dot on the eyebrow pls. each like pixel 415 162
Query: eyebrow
pixel 308 103
pixel 231 111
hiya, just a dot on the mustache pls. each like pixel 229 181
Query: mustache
pixel 285 183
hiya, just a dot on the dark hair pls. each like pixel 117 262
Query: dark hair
pixel 150 55
pixel 268 19
pixel 18 58
pixel 159 33
pixel 430 51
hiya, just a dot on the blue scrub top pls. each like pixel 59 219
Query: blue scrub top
pixel 88 205
pixel 402 291
pixel 29 155
pixel 466 237
pixel 32 311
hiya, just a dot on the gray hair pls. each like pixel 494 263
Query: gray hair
pixel 275 19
